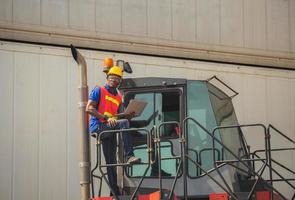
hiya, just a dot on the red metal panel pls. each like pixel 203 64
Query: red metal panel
pixel 218 196
pixel 153 196
pixel 265 195
pixel 102 198
pixel 143 197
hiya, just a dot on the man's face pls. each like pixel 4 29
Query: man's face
pixel 113 81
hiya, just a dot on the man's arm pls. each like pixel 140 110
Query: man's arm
pixel 91 109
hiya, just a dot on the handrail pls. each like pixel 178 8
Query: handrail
pixel 238 159
pixel 276 149
pixel 282 178
pixel 279 149
pixel 270 126
pixel 197 159
pixel 95 167
pixel 267 162
pixel 228 190
pixel 158 146
pixel 286 180
pixel 268 157
pixel 208 174
pixel 100 185
pixel 209 149
pixel 100 166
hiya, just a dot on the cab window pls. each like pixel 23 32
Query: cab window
pixel 161 107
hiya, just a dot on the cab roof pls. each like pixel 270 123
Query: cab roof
pixel 151 82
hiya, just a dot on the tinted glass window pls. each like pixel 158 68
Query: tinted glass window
pixel 161 107
pixel 199 142
pixel 211 108
pixel 225 116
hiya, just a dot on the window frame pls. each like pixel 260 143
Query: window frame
pixel 180 89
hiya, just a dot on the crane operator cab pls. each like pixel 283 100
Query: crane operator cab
pixel 174 134
pixel 180 109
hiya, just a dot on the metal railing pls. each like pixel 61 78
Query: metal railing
pixel 182 163
pixel 273 161
pixel 100 166
pixel 246 161
pixel 157 141
pixel 267 162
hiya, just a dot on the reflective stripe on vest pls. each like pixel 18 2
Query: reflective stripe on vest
pixel 108 103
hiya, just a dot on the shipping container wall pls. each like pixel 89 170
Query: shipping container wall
pixel 256 24
pixel 39 112
pixel 244 27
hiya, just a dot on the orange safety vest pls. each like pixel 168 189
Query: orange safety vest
pixel 108 103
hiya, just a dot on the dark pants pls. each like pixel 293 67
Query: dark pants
pixel 109 149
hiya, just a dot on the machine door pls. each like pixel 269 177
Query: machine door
pixel 163 106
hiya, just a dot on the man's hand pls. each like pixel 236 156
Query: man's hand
pixel 130 115
pixel 112 122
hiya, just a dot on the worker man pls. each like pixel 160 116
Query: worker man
pixel 103 105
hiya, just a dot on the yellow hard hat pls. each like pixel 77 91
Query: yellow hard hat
pixel 115 70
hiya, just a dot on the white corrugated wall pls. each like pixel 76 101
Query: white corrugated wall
pixel 39 114
pixel 206 29
pixel 253 24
